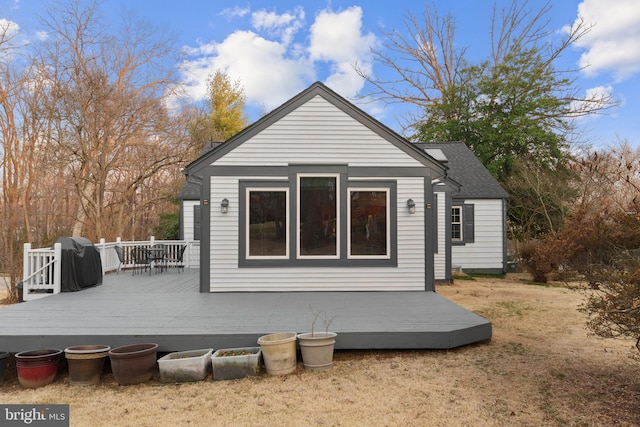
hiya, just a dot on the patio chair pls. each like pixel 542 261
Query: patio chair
pixel 178 260
pixel 121 258
pixel 140 260
pixel 159 256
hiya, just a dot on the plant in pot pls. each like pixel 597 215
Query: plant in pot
pixel 317 347
pixel 191 365
pixel 234 363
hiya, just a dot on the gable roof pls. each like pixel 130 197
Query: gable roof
pixel 317 89
pixel 191 190
pixel 465 168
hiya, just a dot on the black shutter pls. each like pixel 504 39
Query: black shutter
pixel 197 217
pixel 469 223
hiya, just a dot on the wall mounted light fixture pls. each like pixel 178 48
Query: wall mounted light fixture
pixel 224 206
pixel 411 205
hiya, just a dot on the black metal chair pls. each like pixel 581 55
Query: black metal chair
pixel 121 258
pixel 140 260
pixel 178 260
pixel 159 256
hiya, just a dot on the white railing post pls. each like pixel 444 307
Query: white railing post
pixel 103 254
pixel 57 268
pixel 187 256
pixel 25 263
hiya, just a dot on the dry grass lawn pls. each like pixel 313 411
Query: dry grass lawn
pixel 542 368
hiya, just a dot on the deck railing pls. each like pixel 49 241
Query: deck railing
pixel 41 271
pixel 42 267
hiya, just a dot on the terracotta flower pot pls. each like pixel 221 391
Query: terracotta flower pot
pixel 86 363
pixel 37 368
pixel 133 364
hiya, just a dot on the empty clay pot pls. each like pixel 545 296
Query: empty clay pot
pixel 37 368
pixel 86 363
pixel 133 364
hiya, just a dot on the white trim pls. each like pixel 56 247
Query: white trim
pixel 461 238
pixel 248 219
pixel 298 222
pixel 387 192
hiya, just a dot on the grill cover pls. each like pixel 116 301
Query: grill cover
pixel 81 264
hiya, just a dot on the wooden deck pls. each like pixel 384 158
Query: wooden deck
pixel 168 309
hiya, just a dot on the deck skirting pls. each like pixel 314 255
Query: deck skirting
pixel 168 309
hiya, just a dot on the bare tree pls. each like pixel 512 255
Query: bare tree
pixel 431 70
pixel 426 62
pixel 609 177
pixel 22 145
pixel 110 87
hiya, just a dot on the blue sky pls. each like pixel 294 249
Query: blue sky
pixel 278 48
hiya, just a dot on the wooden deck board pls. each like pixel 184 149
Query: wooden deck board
pixel 168 309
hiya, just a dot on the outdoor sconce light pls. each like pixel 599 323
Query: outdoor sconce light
pixel 411 205
pixel 224 206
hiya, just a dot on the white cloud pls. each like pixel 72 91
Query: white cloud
pixel 12 40
pixel 594 95
pixel 613 44
pixel 236 11
pixel 272 66
pixel 283 26
pixel 336 37
pixel 267 75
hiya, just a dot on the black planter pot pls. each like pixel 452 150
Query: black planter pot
pixel 4 356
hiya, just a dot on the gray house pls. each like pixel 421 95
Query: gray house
pixel 471 230
pixel 319 196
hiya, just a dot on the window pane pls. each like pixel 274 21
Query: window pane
pixel 267 223
pixel 456 223
pixel 368 222
pixel 318 215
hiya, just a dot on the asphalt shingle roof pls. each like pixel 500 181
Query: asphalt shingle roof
pixel 465 168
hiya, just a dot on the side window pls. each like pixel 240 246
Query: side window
pixel 463 223
pixel 456 223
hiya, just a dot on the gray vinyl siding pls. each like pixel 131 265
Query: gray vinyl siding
pixel 317 132
pixel 188 218
pixel 225 275
pixel 486 252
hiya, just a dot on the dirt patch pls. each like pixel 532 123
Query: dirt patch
pixel 541 368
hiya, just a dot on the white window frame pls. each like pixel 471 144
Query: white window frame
pixel 461 210
pixel 387 192
pixel 298 221
pixel 247 224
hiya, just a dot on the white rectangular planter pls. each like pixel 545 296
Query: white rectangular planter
pixel 234 367
pixel 190 365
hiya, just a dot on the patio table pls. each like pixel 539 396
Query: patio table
pixel 156 255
